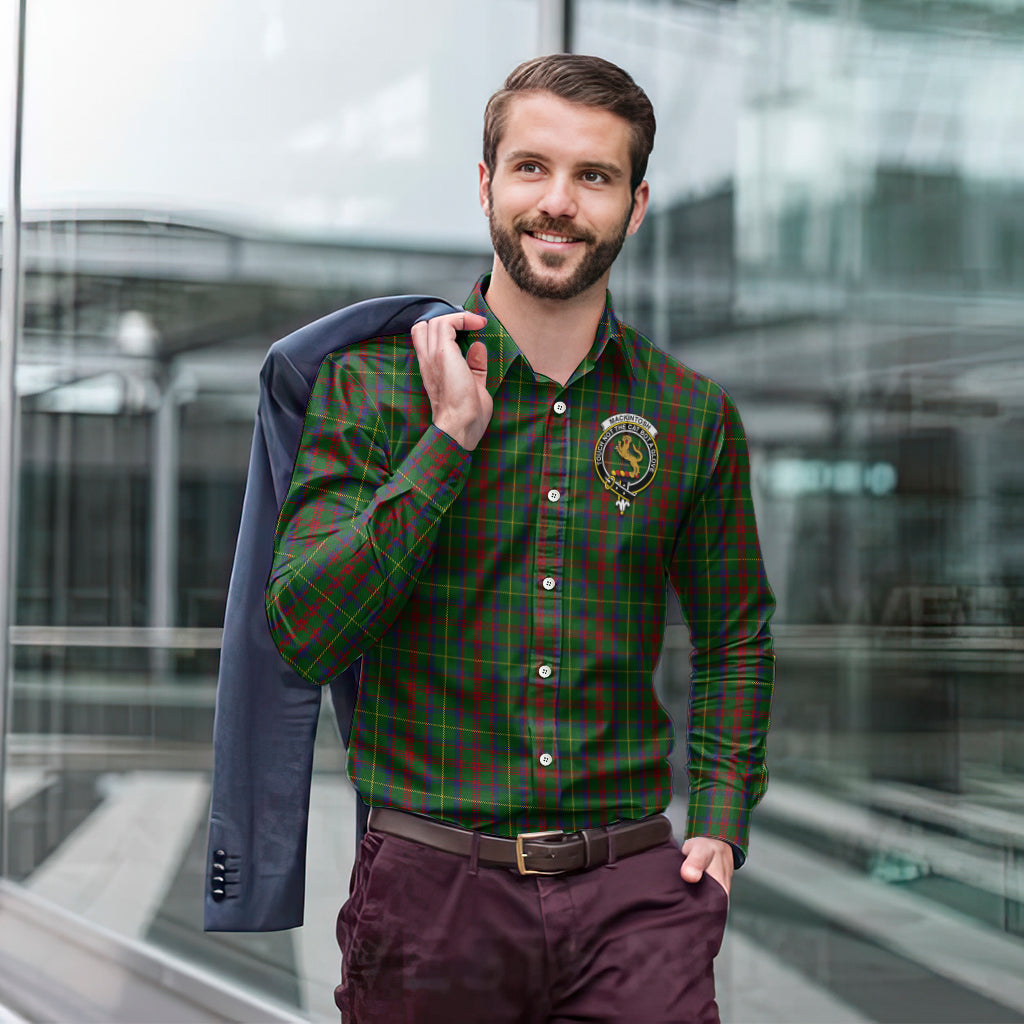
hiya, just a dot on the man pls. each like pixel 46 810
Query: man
pixel 489 516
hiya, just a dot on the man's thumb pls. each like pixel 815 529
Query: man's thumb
pixel 477 357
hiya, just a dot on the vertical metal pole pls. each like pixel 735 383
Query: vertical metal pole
pixel 10 317
pixel 163 549
pixel 553 23
pixel 164 518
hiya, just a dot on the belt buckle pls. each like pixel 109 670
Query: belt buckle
pixel 520 856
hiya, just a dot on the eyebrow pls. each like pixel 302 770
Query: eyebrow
pixel 611 170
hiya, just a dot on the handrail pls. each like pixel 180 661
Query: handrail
pixel 792 636
pixel 54 963
pixel 167 637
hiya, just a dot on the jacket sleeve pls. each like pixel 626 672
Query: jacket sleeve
pixel 355 530
pixel 719 576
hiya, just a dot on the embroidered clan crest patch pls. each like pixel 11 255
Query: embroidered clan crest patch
pixel 625 456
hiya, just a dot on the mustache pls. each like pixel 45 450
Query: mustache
pixel 547 226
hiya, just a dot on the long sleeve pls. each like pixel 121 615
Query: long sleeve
pixel 355 531
pixel 719 576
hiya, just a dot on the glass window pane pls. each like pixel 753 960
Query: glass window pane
pixel 353 120
pixel 8 23
pixel 200 178
pixel 836 236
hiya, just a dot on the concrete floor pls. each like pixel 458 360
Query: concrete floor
pixel 811 940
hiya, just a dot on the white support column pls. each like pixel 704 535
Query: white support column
pixel 553 26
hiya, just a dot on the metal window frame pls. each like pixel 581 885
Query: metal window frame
pixel 10 326
pixel 555 26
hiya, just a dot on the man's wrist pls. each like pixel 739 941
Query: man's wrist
pixel 738 853
pixel 456 434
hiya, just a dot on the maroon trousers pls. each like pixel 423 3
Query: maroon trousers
pixel 429 937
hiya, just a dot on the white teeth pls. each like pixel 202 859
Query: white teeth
pixel 551 238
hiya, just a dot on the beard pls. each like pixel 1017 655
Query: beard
pixel 599 255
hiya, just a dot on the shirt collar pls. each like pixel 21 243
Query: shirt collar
pixel 502 349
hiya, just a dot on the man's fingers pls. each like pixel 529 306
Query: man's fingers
pixel 461 321
pixel 443 328
pixel 698 857
pixel 420 332
pixel 477 357
pixel 704 855
pixel 473 322
pixel 694 867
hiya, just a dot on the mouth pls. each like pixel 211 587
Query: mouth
pixel 546 236
pixel 554 242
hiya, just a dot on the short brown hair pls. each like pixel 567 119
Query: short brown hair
pixel 575 77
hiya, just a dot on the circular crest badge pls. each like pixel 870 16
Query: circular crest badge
pixel 625 456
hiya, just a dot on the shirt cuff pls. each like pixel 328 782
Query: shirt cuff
pixel 721 813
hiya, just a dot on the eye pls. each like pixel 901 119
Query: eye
pixel 529 167
pixel 594 177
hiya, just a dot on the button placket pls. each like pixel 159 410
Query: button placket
pixel 549 562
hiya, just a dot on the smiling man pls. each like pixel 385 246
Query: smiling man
pixel 489 517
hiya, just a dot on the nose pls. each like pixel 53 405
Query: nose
pixel 559 198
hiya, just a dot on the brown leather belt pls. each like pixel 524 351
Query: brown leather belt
pixel 530 853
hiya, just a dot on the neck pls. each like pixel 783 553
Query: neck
pixel 553 334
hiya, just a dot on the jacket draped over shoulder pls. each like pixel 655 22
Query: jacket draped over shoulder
pixel 266 714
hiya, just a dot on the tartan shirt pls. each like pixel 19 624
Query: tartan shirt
pixel 509 603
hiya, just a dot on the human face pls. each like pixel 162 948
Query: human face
pixel 559 203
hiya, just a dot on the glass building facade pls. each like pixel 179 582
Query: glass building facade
pixel 836 235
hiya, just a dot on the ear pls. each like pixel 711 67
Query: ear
pixel 640 199
pixel 485 181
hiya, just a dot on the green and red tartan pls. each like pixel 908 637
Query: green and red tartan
pixel 509 603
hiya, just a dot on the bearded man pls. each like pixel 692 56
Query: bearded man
pixel 488 516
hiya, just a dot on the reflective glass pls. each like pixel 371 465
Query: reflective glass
pixel 200 178
pixel 836 236
pixel 8 29
pixel 8 22
pixel 8 58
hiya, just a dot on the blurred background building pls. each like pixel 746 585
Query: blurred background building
pixel 836 235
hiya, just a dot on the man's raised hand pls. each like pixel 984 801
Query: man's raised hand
pixel 456 386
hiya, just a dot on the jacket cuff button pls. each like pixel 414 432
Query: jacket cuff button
pixel 217 894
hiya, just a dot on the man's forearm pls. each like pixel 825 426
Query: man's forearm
pixel 729 717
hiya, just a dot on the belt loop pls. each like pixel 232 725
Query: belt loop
pixel 611 847
pixel 474 853
pixel 587 852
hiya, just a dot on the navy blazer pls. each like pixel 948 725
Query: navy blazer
pixel 266 714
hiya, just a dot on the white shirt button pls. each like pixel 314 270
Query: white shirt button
pixel 559 407
pixel 545 759
pixel 553 494
pixel 544 671
pixel 548 583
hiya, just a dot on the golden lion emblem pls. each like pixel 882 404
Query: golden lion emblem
pixel 624 448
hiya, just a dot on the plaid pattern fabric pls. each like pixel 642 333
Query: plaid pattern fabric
pixel 509 603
